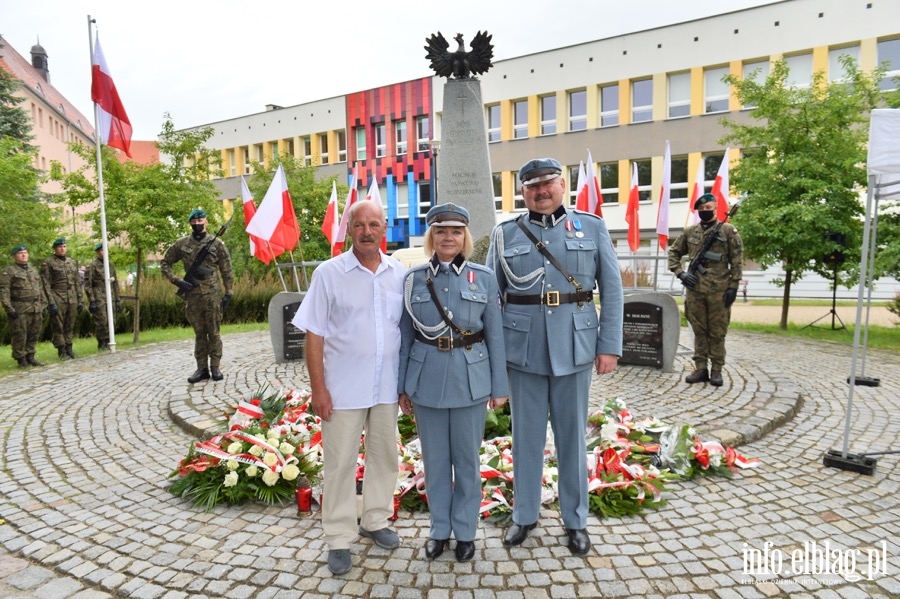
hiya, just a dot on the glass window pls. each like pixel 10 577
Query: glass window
pixel 497 181
pixel 715 94
pixel 801 72
pixel 609 182
pixel 548 115
pixel 711 163
pixel 307 150
pixel 645 176
pixel 520 119
pixel 380 141
pixel 246 160
pixel 323 147
pixel 572 179
pixel 578 110
pixel 342 145
pixel 231 163
pixel 360 143
pixel 756 71
pixel 679 188
pixel 836 70
pixel 493 120
pixel 679 95
pixel 400 137
pixel 889 52
pixel 273 149
pixel 609 105
pixel 423 133
pixel 641 101
pixel 260 154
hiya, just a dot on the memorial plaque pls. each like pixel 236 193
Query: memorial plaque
pixel 642 340
pixel 294 339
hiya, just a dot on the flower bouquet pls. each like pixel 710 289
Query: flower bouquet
pixel 272 445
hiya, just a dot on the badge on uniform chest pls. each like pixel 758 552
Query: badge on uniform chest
pixel 573 228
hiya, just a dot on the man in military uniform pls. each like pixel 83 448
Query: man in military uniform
pixel 22 297
pixel 204 302
pixel 547 263
pixel 711 290
pixel 95 288
pixel 63 289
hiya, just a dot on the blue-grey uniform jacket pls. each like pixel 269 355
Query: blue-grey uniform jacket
pixel 461 376
pixel 558 340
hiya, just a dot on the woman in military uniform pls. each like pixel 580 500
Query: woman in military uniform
pixel 452 366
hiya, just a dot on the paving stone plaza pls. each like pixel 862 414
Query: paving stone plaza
pixel 87 446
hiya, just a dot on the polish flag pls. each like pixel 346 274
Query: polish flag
pixel 720 189
pixel 330 222
pixel 581 198
pixel 631 213
pixel 259 248
pixel 595 198
pixel 374 194
pixel 275 220
pixel 113 126
pixel 337 245
pixel 698 190
pixel 665 194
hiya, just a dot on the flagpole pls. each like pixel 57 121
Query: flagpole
pixel 278 270
pixel 109 305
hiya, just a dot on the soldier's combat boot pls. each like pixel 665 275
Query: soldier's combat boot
pixel 69 351
pixel 23 362
pixel 701 375
pixel 216 373
pixel 201 374
pixel 715 378
pixel 61 350
pixel 32 361
pixel 102 345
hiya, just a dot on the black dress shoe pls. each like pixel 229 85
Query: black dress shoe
pixel 201 374
pixel 579 541
pixel 465 550
pixel 216 373
pixel 517 533
pixel 435 547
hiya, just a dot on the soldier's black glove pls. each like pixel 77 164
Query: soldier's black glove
pixel 12 315
pixel 183 285
pixel 226 299
pixel 92 307
pixel 729 297
pixel 118 305
pixel 53 309
pixel 80 307
pixel 688 280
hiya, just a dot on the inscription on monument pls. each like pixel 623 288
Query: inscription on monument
pixel 642 342
pixel 294 338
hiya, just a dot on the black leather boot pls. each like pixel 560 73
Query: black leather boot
pixel 701 375
pixel 69 352
pixel 61 350
pixel 201 374
pixel 715 378
pixel 216 373
pixel 23 362
pixel 32 361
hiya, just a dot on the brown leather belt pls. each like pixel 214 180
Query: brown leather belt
pixel 551 298
pixel 448 342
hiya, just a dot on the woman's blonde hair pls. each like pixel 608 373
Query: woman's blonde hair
pixel 468 244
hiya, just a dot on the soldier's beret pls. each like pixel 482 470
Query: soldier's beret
pixel 98 247
pixel 17 249
pixel 447 215
pixel 60 241
pixel 197 213
pixel 538 170
pixel 704 199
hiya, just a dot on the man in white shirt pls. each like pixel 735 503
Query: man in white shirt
pixel 351 315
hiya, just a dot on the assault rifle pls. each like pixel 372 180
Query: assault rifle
pixel 197 271
pixel 696 265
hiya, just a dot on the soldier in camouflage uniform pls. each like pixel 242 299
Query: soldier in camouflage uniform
pixel 710 294
pixel 204 304
pixel 22 297
pixel 63 289
pixel 95 289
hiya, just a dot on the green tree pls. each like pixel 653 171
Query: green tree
pixel 14 121
pixel 802 171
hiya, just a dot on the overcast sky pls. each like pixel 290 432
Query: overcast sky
pixel 204 61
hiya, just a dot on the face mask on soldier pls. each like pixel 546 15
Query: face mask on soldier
pixel 706 215
pixel 197 228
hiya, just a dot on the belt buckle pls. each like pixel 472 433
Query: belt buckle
pixel 552 298
pixel 445 343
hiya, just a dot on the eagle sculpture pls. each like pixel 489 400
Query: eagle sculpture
pixel 460 64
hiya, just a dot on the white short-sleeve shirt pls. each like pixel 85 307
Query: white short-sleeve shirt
pixel 358 314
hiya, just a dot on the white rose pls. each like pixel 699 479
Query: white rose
pixel 232 465
pixel 290 472
pixel 235 447
pixel 256 450
pixel 231 479
pixel 270 459
pixel 270 477
pixel 251 471
pixel 286 448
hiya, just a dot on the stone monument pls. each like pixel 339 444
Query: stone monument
pixel 464 168
pixel 651 328
pixel 288 342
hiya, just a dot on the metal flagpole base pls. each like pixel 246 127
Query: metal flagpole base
pixel 851 462
pixel 865 381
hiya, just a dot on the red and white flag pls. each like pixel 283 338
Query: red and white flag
pixel 595 198
pixel 259 248
pixel 113 126
pixel 374 194
pixel 698 190
pixel 275 220
pixel 330 222
pixel 337 245
pixel 631 213
pixel 581 197
pixel 720 189
pixel 665 194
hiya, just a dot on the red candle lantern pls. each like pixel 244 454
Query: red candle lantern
pixel 396 508
pixel 304 500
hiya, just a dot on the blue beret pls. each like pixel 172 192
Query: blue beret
pixel 98 247
pixel 542 169
pixel 704 199
pixel 197 213
pixel 59 241
pixel 18 249
pixel 447 215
